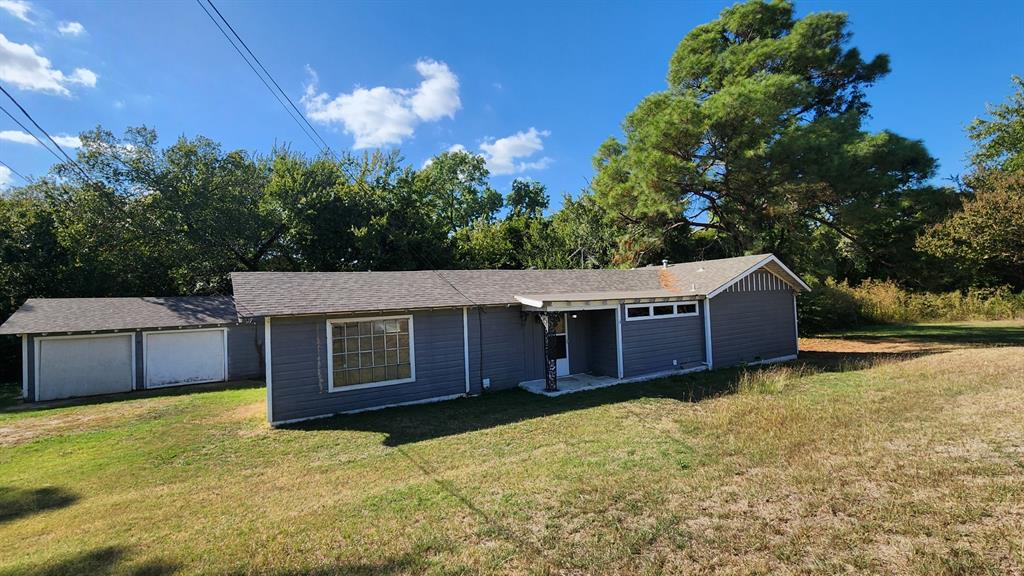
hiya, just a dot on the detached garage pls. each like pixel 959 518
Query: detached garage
pixel 87 346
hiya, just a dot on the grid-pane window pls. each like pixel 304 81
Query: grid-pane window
pixel 370 351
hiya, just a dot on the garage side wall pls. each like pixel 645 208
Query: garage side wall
pixel 299 384
pixel 752 326
pixel 245 352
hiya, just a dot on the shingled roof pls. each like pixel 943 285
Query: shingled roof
pixel 296 293
pixel 52 315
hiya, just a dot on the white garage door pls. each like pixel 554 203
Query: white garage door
pixel 185 357
pixel 83 366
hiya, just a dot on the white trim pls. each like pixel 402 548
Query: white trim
pixel 618 338
pixel 568 366
pixel 38 346
pixel 796 325
pixel 465 343
pixel 268 369
pixel 370 409
pixel 708 357
pixel 145 358
pixel 530 302
pixel 775 360
pixel 674 314
pixel 24 366
pixel 754 268
pixel 330 354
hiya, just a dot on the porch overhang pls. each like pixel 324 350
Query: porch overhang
pixel 569 301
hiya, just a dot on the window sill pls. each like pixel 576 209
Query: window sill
pixel 332 388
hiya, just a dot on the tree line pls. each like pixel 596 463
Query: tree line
pixel 757 144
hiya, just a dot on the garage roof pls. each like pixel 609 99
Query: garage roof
pixel 50 315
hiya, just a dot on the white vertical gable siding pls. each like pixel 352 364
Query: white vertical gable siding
pixel 760 281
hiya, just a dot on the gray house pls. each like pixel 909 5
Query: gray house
pixel 342 342
pixel 339 342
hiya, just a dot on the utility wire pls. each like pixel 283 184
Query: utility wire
pixel 8 166
pixel 45 133
pixel 32 134
pixel 262 79
pixel 271 77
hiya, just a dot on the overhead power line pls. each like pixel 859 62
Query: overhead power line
pixel 32 134
pixel 271 77
pixel 279 94
pixel 41 129
pixel 18 174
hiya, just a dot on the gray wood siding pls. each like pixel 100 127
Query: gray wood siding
pixel 500 336
pixel 579 342
pixel 650 346
pixel 31 357
pixel 749 326
pixel 604 360
pixel 533 349
pixel 299 386
pixel 245 351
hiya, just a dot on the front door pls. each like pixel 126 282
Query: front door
pixel 562 346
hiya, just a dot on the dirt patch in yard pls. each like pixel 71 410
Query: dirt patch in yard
pixel 77 420
pixel 850 346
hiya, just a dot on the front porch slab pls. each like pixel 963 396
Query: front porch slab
pixel 583 382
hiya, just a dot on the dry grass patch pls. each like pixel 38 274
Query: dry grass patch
pixel 871 461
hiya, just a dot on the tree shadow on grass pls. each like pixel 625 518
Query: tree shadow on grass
pixel 107 560
pixel 17 503
pixel 410 424
pixel 967 334
pixel 135 395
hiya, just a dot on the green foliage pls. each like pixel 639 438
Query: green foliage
pixel 837 305
pixel 457 188
pixel 985 240
pixel 757 146
pixel 999 140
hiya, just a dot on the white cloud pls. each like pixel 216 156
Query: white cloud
pixel 509 155
pixel 71 29
pixel 22 67
pixel 20 137
pixel 68 141
pixel 6 177
pixel 382 115
pixel 438 94
pixel 17 8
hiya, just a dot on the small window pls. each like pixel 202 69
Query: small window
pixel 638 312
pixel 660 310
pixel 370 352
pixel 686 309
pixel 664 310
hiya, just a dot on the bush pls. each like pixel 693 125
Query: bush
pixel 837 305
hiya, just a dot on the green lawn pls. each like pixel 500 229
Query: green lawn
pixel 856 460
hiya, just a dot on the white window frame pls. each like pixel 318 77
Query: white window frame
pixel 650 310
pixel 330 353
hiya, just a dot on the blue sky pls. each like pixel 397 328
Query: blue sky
pixel 535 87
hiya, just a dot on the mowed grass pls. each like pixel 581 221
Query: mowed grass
pixel 897 451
